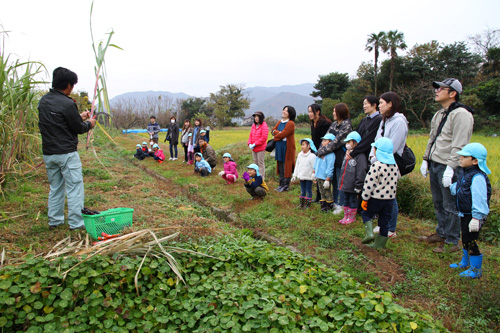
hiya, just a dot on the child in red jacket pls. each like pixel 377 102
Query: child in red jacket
pixel 230 173
pixel 158 153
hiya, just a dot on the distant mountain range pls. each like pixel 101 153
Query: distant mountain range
pixel 269 100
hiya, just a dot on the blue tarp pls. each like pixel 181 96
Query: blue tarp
pixel 142 130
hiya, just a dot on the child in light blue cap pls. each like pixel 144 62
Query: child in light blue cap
pixel 473 191
pixel 304 171
pixel 323 174
pixel 379 193
pixel 352 178
pixel 139 154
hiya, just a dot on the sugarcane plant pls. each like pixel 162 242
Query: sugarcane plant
pixel 100 101
pixel 19 139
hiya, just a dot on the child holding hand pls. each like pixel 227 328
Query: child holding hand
pixel 254 184
pixel 352 178
pixel 379 193
pixel 323 173
pixel 304 170
pixel 230 173
pixel 473 193
pixel 190 149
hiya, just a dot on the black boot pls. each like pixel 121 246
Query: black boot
pixel 280 186
pixel 324 206
pixel 286 185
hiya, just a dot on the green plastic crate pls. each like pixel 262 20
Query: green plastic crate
pixel 111 221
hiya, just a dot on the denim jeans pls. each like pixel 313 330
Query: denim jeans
pixel 306 188
pixel 384 210
pixel 338 196
pixel 445 204
pixel 173 148
pixel 351 200
pixel 65 177
pixel 393 222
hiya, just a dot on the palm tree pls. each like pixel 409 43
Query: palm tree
pixel 394 40
pixel 374 42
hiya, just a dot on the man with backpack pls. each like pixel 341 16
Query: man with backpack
pixel 451 130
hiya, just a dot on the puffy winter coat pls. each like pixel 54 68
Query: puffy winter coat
pixel 258 136
pixel 230 168
pixel 304 166
pixel 159 154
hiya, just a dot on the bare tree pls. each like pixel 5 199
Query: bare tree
pixel 125 113
pixel 488 39
pixel 416 94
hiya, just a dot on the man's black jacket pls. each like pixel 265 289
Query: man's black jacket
pixel 60 123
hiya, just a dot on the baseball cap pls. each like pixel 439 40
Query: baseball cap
pixel 353 136
pixel 449 83
pixel 329 136
pixel 156 146
pixel 227 155
pixel 138 145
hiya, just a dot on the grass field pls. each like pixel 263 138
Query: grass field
pixel 418 278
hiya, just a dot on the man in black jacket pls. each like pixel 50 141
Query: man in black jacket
pixel 60 123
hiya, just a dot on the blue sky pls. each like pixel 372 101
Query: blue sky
pixel 195 46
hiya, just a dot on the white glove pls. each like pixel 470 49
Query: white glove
pixel 423 168
pixel 447 176
pixel 222 173
pixel 326 184
pixel 314 178
pixel 251 146
pixel 474 225
pixel 294 179
pixel 373 159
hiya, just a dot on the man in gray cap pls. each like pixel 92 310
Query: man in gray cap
pixel 451 130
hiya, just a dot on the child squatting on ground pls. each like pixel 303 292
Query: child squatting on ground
pixel 254 184
pixel 323 173
pixel 201 166
pixel 304 171
pixel 230 173
pixel 473 193
pixel 139 153
pixel 379 193
pixel 158 153
pixel 352 178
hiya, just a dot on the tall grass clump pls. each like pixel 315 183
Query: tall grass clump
pixel 19 141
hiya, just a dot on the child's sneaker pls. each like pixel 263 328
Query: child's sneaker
pixel 338 209
pixel 173 159
pixel 376 230
pixel 170 159
pixel 391 234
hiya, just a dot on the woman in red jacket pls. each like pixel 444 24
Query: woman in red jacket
pixel 257 141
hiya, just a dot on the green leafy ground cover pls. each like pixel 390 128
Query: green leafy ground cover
pixel 252 286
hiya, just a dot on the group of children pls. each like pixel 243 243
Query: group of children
pixel 375 185
pixel 155 152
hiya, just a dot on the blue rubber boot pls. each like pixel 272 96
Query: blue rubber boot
pixel 464 263
pixel 474 270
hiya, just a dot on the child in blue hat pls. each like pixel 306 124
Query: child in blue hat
pixel 201 166
pixel 379 193
pixel 352 178
pixel 254 183
pixel 230 172
pixel 473 193
pixel 139 153
pixel 304 170
pixel 323 173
